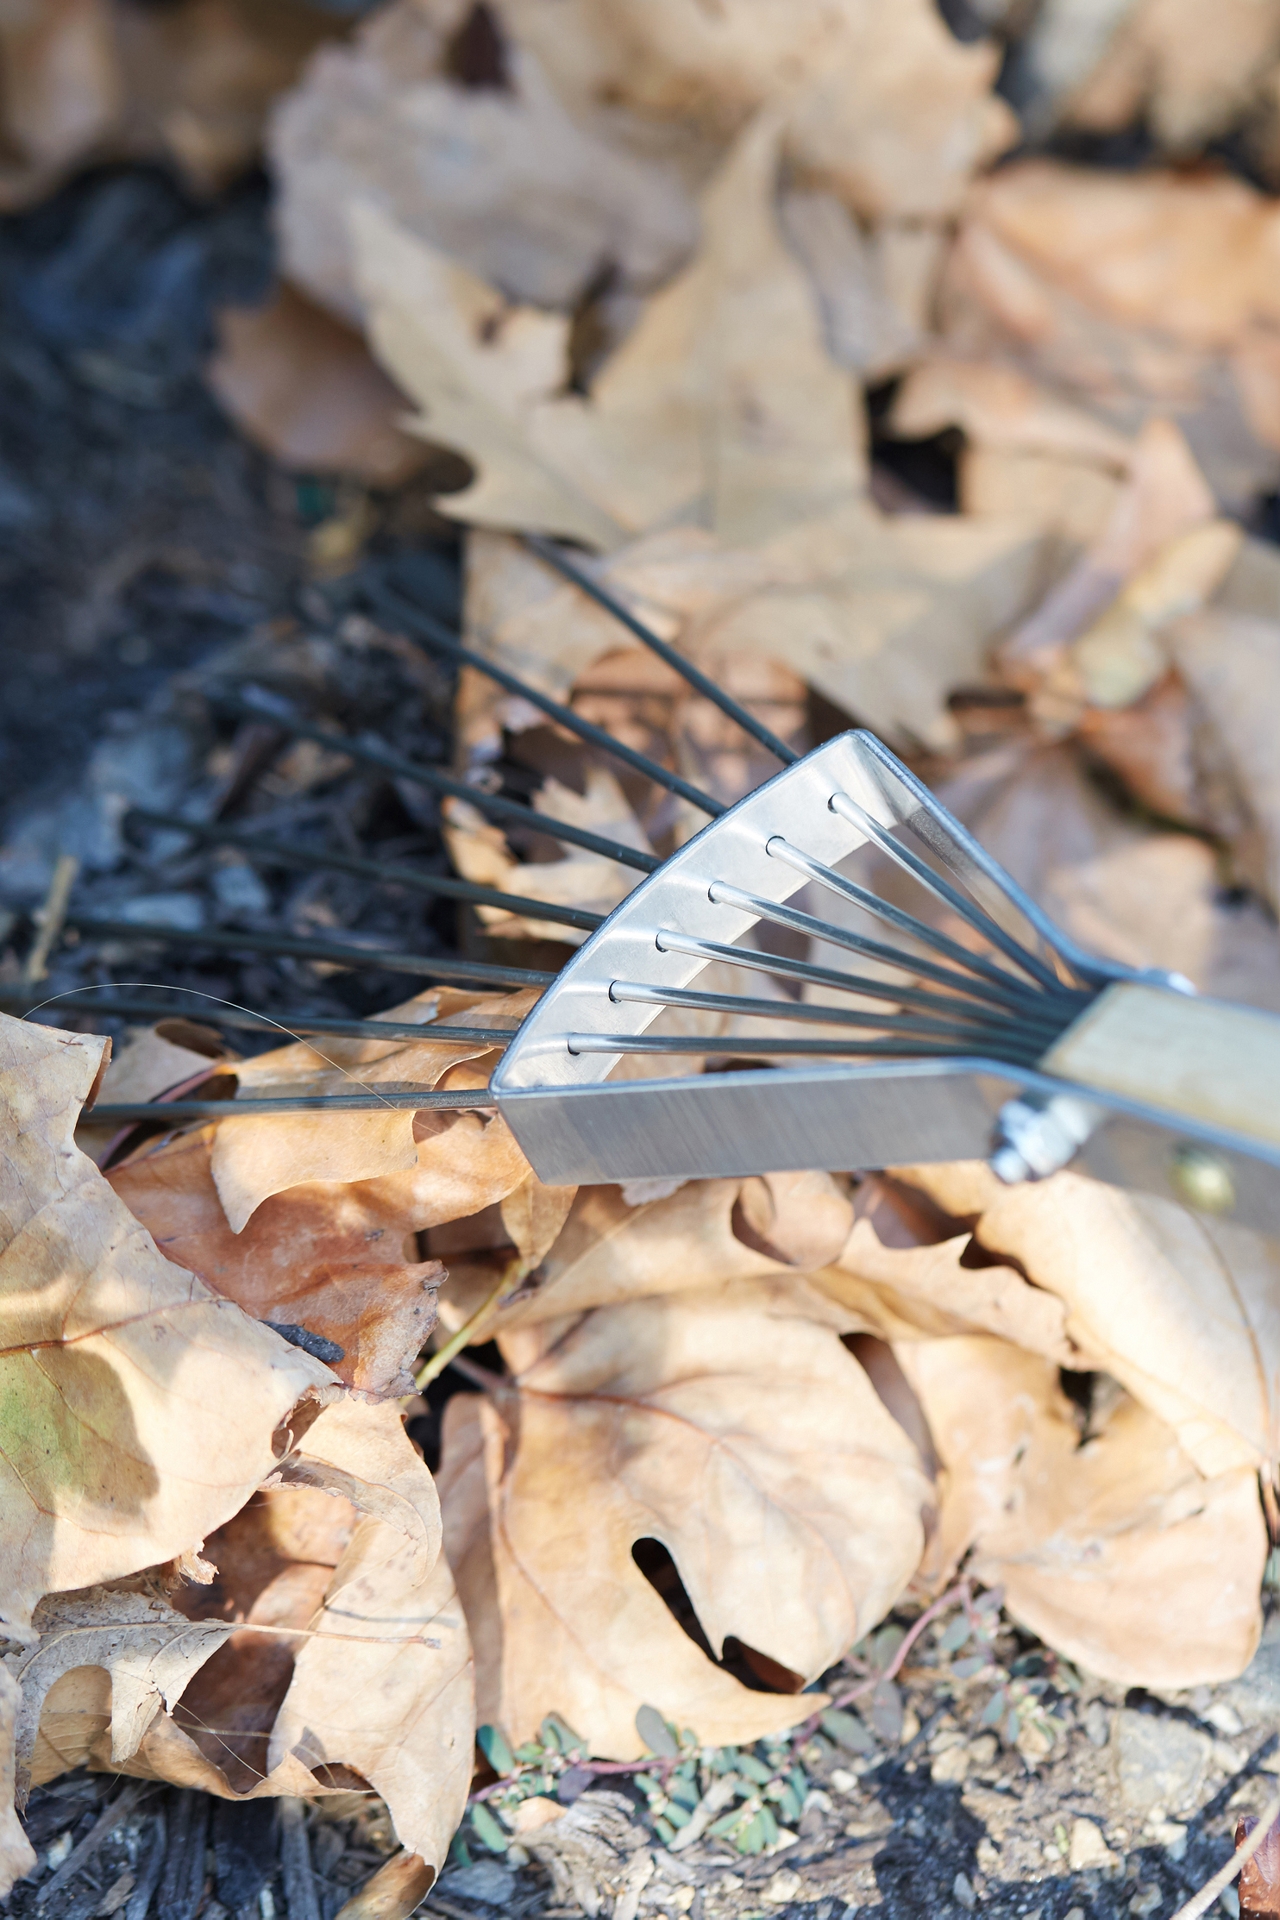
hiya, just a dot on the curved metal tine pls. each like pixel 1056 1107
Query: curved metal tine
pixel 279 853
pixel 907 923
pixel 285 1028
pixel 433 633
pixel 464 973
pixel 389 761
pixel 943 890
pixel 721 892
pixel 682 1043
pixel 639 994
pixel 556 557
pixel 806 972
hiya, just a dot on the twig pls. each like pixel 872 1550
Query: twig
pixel 52 916
pixel 512 1274
pixel 295 1863
pixel 959 1592
pixel 1201 1902
pixel 182 1881
pixel 149 1876
pixel 111 1816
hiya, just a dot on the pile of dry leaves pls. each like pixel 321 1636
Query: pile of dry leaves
pixel 640 263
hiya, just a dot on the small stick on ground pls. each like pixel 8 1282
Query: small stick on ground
pixel 1201 1902
pixel 111 1816
pixel 52 916
pixel 295 1862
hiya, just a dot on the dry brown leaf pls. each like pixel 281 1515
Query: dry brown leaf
pixel 1180 1309
pixel 141 1408
pixel 533 1215
pixel 611 1252
pixel 1231 661
pixel 1145 898
pixel 341 1655
pixel 1187 86
pixel 1026 452
pixel 1138 291
pixel 1119 657
pixel 577 879
pixel 882 616
pixel 805 1529
pixel 336 1261
pixel 475 366
pixel 202 76
pixel 723 399
pixel 883 104
pixel 1116 1551
pixel 304 387
pixel 497 175
pixel 1163 497
pixel 148 1649
pixel 61 90
pixel 256 1155
pixel 146 1066
pixel 873 317
pixel 85 80
pixel 1000 408
pixel 17 1856
pixel 900 1282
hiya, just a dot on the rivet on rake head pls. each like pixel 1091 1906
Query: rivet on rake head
pixel 1202 1180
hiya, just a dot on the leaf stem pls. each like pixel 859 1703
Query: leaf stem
pixel 512 1274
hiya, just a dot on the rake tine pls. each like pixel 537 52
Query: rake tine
pixel 556 557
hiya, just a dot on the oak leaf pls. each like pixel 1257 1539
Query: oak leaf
pixel 325 1648
pixel 256 1155
pixel 326 1260
pixel 498 176
pixel 885 105
pixel 1181 1309
pixel 723 400
pixel 139 1407
pixel 1082 1535
pixel 611 1251
pixel 804 1527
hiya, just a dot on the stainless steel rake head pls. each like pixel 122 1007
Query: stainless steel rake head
pixel 983 1032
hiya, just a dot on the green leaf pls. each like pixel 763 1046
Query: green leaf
pixel 883 1645
pixel 848 1730
pixel 558 1734
pixel 954 1636
pixel 993 1712
pixel 765 1815
pixel 971 1664
pixel 495 1750
pixel 530 1753
pixel 754 1769
pixel 657 1735
pixel 664 1830
pixel 751 1839
pixel 789 1803
pixel 684 1792
pixel 487 1830
pixel 677 1815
